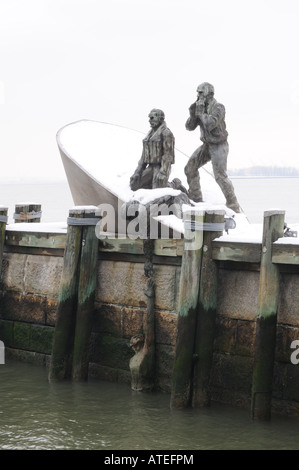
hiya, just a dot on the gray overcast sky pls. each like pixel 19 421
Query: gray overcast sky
pixel 115 60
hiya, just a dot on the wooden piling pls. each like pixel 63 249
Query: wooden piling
pixel 266 319
pixel 188 300
pixel 86 296
pixel 206 317
pixel 29 212
pixel 62 352
pixel 3 222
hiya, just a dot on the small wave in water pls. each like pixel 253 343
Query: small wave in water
pixel 106 416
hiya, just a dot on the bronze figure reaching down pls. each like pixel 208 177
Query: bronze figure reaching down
pixel 154 166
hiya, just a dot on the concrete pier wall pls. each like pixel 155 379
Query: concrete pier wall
pixel 30 282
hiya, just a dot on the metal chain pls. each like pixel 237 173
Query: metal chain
pixel 27 215
pixel 205 226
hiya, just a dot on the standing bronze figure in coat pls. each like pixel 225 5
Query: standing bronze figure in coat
pixel 209 115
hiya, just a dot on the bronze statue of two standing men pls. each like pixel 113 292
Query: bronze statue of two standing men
pixel 154 167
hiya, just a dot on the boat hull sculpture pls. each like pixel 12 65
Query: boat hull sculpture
pixel 99 159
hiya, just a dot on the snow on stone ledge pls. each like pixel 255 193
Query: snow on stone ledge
pixel 243 233
pixel 145 196
pixel 289 240
pixel 45 227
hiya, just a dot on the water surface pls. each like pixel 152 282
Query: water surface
pixel 100 415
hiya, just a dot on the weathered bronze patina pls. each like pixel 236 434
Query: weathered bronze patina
pixel 142 364
pixel 154 166
pixel 209 115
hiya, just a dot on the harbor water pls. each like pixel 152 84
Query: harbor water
pixel 257 195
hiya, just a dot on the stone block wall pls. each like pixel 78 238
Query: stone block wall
pixel 235 336
pixel 29 299
pixel 119 310
pixel 29 294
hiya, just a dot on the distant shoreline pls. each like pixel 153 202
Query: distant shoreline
pixel 261 177
pixel 264 172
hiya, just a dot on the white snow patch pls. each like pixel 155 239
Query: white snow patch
pixel 145 196
pixel 45 227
